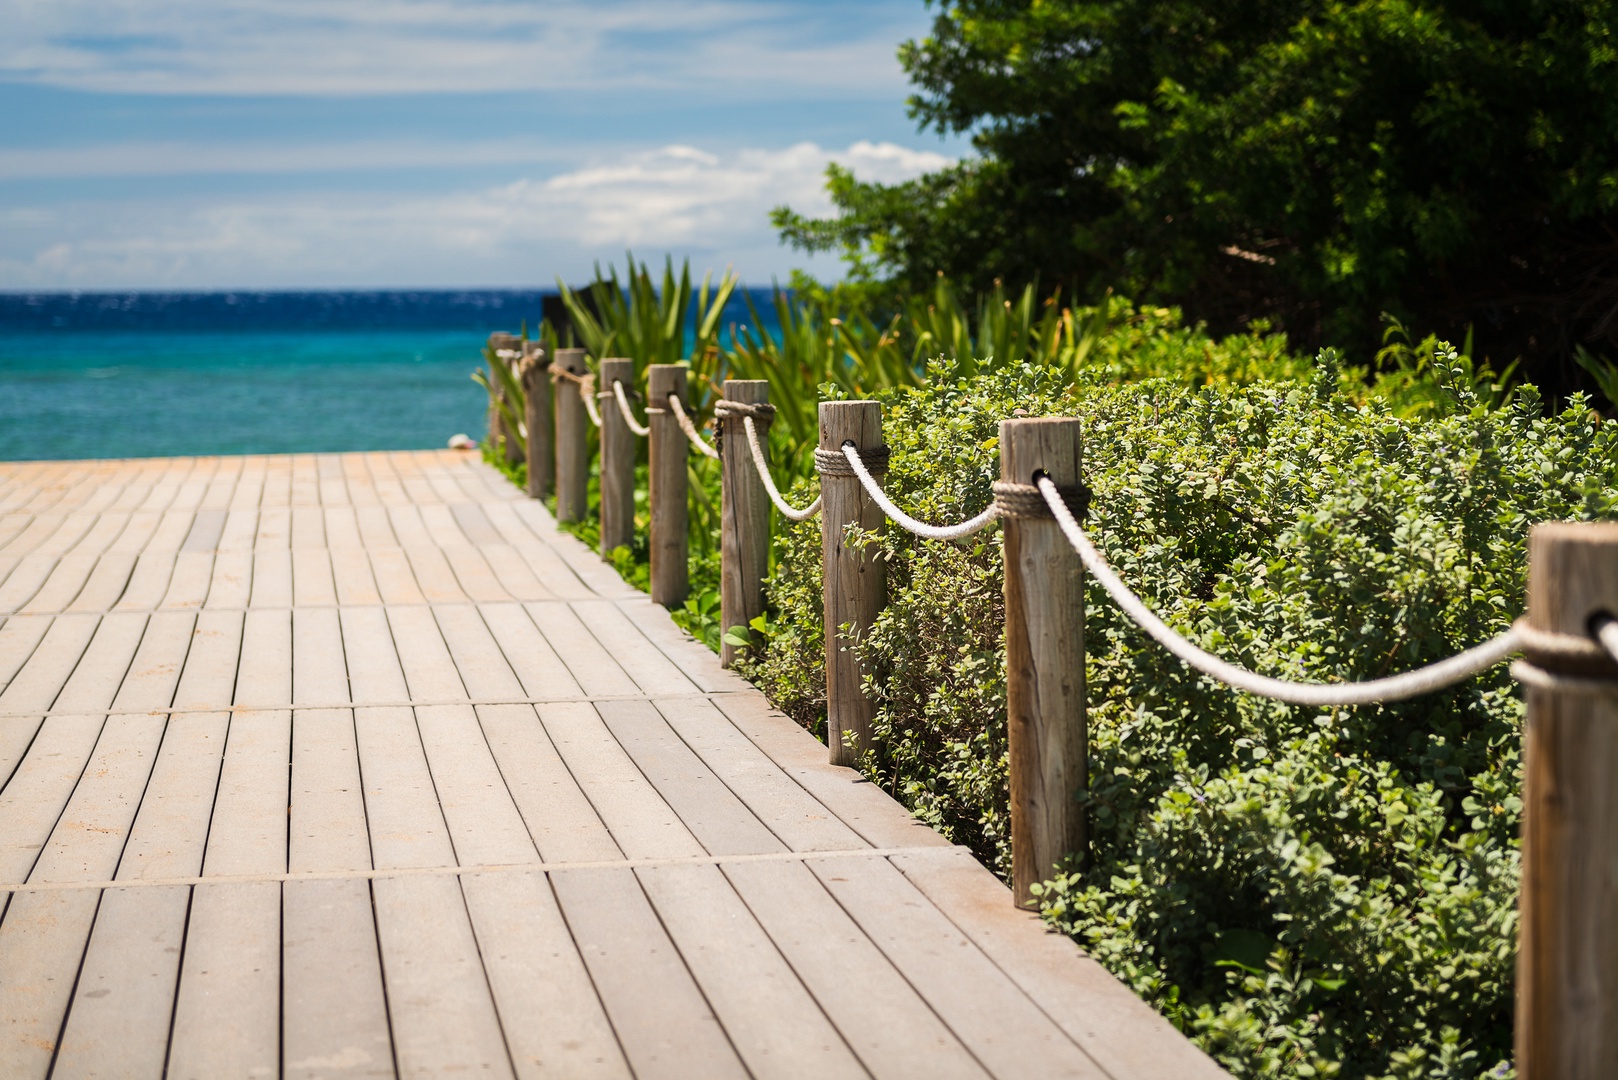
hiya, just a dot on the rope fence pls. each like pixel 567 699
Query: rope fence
pixel 1568 641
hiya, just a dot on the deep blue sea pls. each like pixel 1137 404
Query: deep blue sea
pixel 146 374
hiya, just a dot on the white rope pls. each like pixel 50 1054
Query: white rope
pixel 905 521
pixel 1393 688
pixel 623 407
pixel 1606 631
pixel 690 429
pixel 769 484
pixel 588 396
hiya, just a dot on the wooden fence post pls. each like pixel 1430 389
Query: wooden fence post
pixel 854 578
pixel 497 428
pixel 1567 959
pixel 744 532
pixel 668 482
pixel 537 418
pixel 572 447
pixel 1044 589
pixel 617 458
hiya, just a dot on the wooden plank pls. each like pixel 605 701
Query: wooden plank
pixel 37 686
pixel 376 530
pixel 188 587
pixel 718 819
pixel 593 668
pixel 601 578
pixel 1118 1030
pixel 62 586
pixel 433 574
pixel 155 670
pixel 42 943
pixel 137 534
pixel 240 530
pixel 861 806
pixel 308 527
pixel 148 582
pixel 664 1024
pixel 695 660
pixel 642 660
pixel 483 820
pixel 26 579
pixel 471 569
pixel 423 655
pixel 482 667
pixel 326 819
pixel 248 834
pixel 373 666
pixel 100 671
pixel 319 673
pixel 552 571
pixel 227 1015
pixel 443 1015
pixel 272 579
pixel 535 663
pixel 88 836
pixel 106 584
pixel 312 577
pixel 561 821
pixel 18 638
pixel 232 583
pixel 119 1023
pixel 207 528
pixel 351 571
pixel 641 823
pixel 170 830
pixel 791 813
pixel 265 675
pixel 335 1014
pixel 395 579
pixel 406 825
pixel 209 675
pixel 555 1025
pixel 1002 1026
pixel 772 1021
pixel 894 1033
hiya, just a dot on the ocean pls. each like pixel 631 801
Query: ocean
pixel 146 374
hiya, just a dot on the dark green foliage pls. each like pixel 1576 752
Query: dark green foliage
pixel 1314 161
pixel 1306 892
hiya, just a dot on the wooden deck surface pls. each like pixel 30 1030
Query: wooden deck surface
pixel 353 765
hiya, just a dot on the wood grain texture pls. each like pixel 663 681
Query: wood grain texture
pixel 854 579
pixel 1567 960
pixel 744 517
pixel 572 440
pixel 619 447
pixel 668 486
pixel 540 420
pixel 1044 590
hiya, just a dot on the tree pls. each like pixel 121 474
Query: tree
pixel 1454 163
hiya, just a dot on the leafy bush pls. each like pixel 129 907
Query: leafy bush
pixel 1305 891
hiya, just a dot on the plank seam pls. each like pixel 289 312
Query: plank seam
pixel 490 868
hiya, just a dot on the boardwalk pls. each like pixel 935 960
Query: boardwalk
pixel 353 765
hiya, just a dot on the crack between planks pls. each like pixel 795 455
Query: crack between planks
pixel 494 868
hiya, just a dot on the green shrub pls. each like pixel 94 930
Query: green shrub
pixel 1310 892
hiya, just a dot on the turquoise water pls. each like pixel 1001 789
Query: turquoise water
pixel 149 393
pixel 95 375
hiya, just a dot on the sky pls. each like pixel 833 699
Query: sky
pixel 203 144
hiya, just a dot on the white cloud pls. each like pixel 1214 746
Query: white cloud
pixel 396 46
pixel 711 206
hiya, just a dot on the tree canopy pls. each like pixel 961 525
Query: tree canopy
pixel 1454 163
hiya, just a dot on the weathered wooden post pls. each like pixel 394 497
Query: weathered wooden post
pixel 1567 960
pixel 744 531
pixel 498 342
pixel 854 579
pixel 1044 589
pixel 537 418
pixel 668 483
pixel 617 458
pixel 572 447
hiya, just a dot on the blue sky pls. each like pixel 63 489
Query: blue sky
pixel 331 143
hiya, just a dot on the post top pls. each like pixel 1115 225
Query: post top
pixel 1572 575
pixel 572 359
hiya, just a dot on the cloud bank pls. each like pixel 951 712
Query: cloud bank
pixel 710 206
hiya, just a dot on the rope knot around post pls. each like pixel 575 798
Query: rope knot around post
pixel 760 412
pixel 836 463
pixel 1025 500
